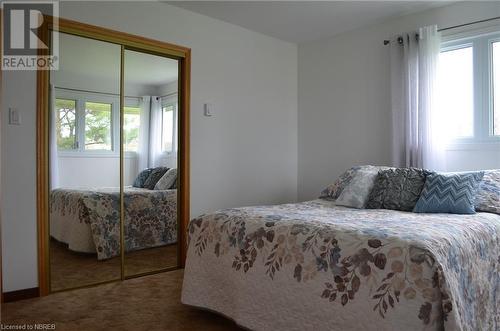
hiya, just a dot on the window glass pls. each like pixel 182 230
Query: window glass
pixel 455 97
pixel 496 87
pixel 168 128
pixel 131 124
pixel 66 124
pixel 97 126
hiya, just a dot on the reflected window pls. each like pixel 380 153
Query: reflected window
pixel 169 128
pixel 66 124
pixel 131 126
pixel 97 126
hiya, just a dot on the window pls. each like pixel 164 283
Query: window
pixel 131 125
pixel 97 126
pixel 455 98
pixel 169 128
pixel 66 124
pixel 468 95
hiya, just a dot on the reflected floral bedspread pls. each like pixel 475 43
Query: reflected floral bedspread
pixel 315 265
pixel 150 216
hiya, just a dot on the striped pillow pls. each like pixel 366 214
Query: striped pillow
pixel 452 193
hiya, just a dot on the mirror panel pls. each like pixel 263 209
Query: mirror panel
pixel 84 220
pixel 150 147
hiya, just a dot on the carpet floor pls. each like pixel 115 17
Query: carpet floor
pixel 70 269
pixel 146 303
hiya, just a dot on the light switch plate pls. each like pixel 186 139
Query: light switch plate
pixel 14 117
pixel 207 109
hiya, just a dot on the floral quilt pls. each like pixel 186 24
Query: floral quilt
pixel 317 266
pixel 150 216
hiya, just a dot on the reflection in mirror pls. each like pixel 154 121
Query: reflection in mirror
pixel 150 163
pixel 84 218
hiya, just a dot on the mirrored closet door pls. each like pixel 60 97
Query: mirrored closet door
pixel 150 148
pixel 84 165
pixel 114 159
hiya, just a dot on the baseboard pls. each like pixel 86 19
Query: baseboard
pixel 27 293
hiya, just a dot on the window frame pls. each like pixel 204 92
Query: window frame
pixel 482 67
pixel 81 97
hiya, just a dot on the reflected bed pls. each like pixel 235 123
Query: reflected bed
pixel 89 220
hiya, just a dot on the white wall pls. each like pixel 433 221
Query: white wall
pixel 245 154
pixel 344 99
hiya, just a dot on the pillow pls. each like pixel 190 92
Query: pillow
pixel 356 193
pixel 449 193
pixel 141 178
pixel 488 194
pixel 332 192
pixel 154 177
pixel 167 180
pixel 397 189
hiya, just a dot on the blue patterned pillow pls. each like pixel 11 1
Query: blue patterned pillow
pixel 452 193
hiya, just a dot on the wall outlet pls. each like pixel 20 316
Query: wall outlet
pixel 14 116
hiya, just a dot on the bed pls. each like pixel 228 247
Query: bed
pixel 89 220
pixel 318 266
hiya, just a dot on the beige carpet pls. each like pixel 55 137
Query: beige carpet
pixel 70 269
pixel 146 303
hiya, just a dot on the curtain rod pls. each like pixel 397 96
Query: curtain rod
pixel 113 94
pixel 386 42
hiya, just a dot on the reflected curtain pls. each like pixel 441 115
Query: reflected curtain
pixel 53 157
pixel 155 131
pixel 416 138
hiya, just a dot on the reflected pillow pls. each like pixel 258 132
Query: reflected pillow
pixel 452 193
pixel 397 189
pixel 142 177
pixel 356 193
pixel 167 180
pixel 488 194
pixel 154 177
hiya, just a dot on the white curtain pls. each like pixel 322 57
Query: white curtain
pixel 53 159
pixel 415 118
pixel 143 148
pixel 155 131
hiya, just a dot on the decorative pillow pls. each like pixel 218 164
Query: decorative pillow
pixel 154 177
pixel 167 180
pixel 142 177
pixel 356 193
pixel 488 194
pixel 332 192
pixel 397 189
pixel 449 193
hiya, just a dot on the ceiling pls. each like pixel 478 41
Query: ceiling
pixel 85 57
pixel 302 21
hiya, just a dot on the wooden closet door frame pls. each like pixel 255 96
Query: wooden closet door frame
pixel 128 41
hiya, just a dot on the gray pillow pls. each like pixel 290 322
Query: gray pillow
pixel 142 177
pixel 356 193
pixel 397 189
pixel 167 180
pixel 154 177
pixel 333 191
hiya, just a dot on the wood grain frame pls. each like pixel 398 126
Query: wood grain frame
pixel 128 41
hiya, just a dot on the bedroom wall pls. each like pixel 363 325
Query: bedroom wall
pixel 344 99
pixel 245 154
